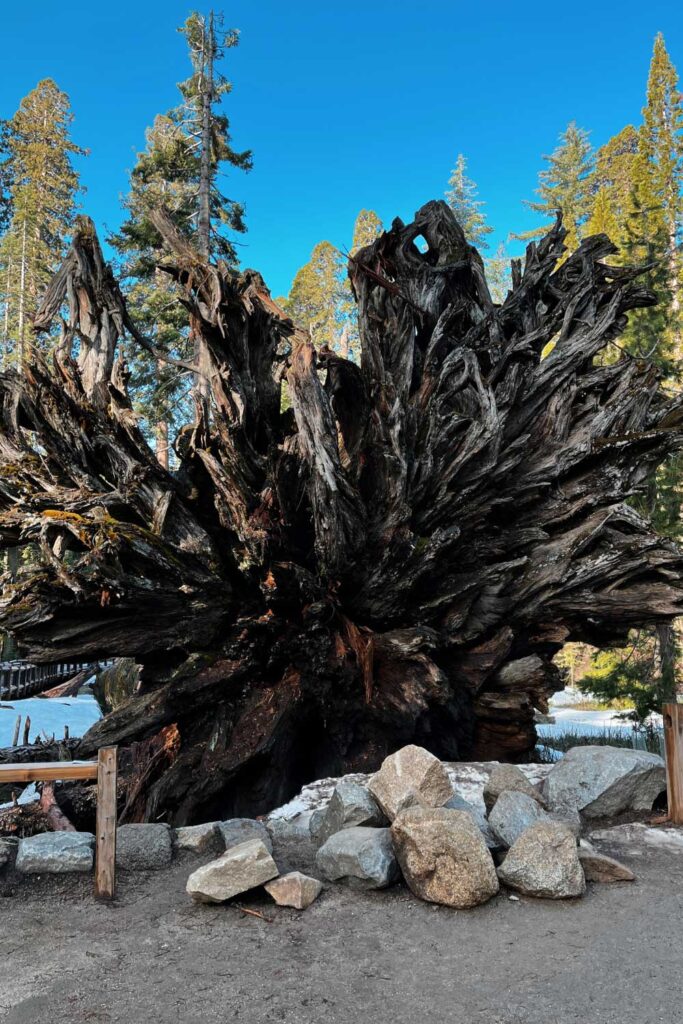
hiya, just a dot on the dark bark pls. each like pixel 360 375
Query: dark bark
pixel 395 559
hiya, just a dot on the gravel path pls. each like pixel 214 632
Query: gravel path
pixel 384 958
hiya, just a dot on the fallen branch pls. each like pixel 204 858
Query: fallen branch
pixel 55 816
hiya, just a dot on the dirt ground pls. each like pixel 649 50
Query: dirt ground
pixel 381 957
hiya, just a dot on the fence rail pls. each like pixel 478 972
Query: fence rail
pixel 19 679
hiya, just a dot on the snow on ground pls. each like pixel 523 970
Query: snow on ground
pixel 633 837
pixel 48 715
pixel 574 721
pixel 467 777
pixel 584 722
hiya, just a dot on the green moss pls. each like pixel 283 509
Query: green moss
pixel 71 517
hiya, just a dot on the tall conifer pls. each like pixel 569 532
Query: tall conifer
pixel 461 196
pixel 314 300
pixel 565 185
pixel 41 187
pixel 186 151
pixel 661 145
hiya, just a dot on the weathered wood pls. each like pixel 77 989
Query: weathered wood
pixel 395 558
pixel 36 752
pixel 48 771
pixel 673 740
pixel 105 858
pixel 70 688
pixel 55 815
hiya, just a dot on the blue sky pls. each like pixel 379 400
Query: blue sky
pixel 347 104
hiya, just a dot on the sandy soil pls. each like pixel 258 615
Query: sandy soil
pixel 385 958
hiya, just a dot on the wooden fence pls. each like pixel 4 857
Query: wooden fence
pixel 104 771
pixel 19 679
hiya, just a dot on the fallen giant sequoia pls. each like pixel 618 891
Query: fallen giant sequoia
pixel 395 558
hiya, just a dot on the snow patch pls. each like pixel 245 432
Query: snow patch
pixel 49 715
pixel 636 836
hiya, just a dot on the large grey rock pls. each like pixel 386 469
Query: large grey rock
pixel 199 838
pixel 351 805
pixel 235 831
pixel 294 890
pixel 444 857
pixel 410 777
pixel 571 819
pixel 361 856
pixel 239 869
pixel 513 813
pixel 601 782
pixel 458 803
pixel 55 853
pixel 598 867
pixel 544 862
pixel 508 778
pixel 143 847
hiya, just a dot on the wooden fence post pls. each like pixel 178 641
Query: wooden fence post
pixel 105 857
pixel 673 741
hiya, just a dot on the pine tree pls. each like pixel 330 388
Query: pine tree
pixel 565 185
pixel 603 220
pixel 366 229
pixel 645 244
pixel 186 150
pixel 498 274
pixel 653 227
pixel 208 133
pixel 165 174
pixel 461 196
pixel 661 145
pixel 638 675
pixel 611 185
pixel 313 302
pixel 5 197
pixel 321 300
pixel 41 186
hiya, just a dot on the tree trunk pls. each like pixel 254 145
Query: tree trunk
pixel 21 331
pixel 206 101
pixel 162 444
pixel 206 86
pixel 666 656
pixel 394 559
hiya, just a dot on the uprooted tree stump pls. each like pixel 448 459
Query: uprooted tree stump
pixel 395 558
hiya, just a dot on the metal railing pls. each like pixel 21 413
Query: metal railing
pixel 19 679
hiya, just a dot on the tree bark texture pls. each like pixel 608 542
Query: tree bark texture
pixel 396 558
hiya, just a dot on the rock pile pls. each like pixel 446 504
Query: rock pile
pixel 438 826
pixel 442 842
